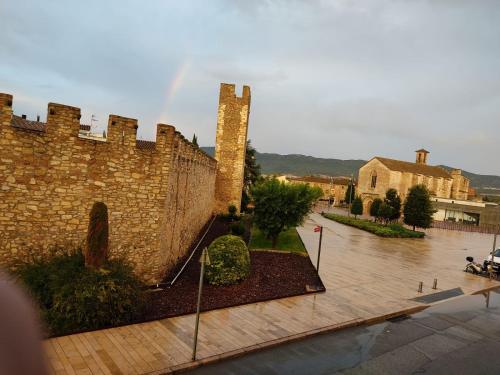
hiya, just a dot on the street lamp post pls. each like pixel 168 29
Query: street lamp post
pixel 204 260
pixel 493 254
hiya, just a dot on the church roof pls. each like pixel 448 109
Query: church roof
pixel 405 166
pixel 423 150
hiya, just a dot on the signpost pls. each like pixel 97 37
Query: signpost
pixel 319 229
pixel 203 260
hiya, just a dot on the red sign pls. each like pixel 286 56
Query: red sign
pixel 317 228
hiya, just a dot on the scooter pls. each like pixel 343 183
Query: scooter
pixel 473 267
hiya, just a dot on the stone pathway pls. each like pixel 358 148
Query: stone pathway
pixel 366 277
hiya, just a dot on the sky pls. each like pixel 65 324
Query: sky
pixel 335 79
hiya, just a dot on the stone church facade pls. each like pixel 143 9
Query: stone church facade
pixel 380 174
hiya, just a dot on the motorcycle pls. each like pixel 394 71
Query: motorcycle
pixel 473 267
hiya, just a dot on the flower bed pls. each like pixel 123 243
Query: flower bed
pixel 390 230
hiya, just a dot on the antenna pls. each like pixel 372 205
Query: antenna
pixel 92 120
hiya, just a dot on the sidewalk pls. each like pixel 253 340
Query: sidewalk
pixel 367 278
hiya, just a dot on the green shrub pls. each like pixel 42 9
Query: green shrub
pixel 73 297
pixel 238 229
pixel 229 261
pixel 392 230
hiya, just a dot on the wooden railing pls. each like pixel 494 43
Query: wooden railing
pixel 450 225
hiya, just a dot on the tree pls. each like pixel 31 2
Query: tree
pixel 96 249
pixel 385 212
pixel 418 209
pixel 375 207
pixel 279 206
pixel 195 140
pixel 350 192
pixel 357 207
pixel 251 174
pixel 393 200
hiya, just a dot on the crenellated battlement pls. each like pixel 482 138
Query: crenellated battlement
pixel 228 92
pixel 51 173
pixel 63 123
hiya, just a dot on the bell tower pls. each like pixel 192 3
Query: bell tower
pixel 422 156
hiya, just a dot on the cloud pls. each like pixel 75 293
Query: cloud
pixel 340 79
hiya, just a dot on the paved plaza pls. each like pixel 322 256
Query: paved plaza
pixel 461 336
pixel 366 277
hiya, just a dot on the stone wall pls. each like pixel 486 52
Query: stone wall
pixel 230 146
pixel 159 194
pixel 460 186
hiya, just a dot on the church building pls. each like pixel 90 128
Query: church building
pixel 380 174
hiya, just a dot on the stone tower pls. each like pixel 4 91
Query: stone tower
pixel 421 156
pixel 230 146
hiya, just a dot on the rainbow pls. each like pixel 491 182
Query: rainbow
pixel 174 87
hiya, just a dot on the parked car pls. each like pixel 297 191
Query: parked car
pixel 496 261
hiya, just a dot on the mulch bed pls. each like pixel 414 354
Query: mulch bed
pixel 274 275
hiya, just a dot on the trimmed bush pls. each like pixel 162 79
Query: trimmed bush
pixel 392 230
pixel 229 261
pixel 73 297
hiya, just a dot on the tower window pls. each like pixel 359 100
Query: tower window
pixel 374 180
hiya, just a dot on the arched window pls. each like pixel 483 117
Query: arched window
pixel 374 180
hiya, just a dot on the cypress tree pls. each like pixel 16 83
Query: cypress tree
pixel 418 209
pixel 96 249
pixel 357 207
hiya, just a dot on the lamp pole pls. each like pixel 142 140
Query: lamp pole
pixel 203 260
pixel 493 254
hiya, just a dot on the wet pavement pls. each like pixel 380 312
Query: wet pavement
pixel 459 336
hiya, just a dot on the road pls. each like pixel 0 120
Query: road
pixel 459 336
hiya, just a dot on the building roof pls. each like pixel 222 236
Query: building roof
pixel 145 145
pixel 423 150
pixel 37 126
pixel 405 166
pixel 322 180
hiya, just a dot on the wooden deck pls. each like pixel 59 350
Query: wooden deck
pixel 366 277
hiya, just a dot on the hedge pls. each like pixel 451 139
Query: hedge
pixel 390 230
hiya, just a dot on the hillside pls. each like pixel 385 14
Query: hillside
pixel 301 165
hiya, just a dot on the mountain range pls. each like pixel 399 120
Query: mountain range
pixel 301 165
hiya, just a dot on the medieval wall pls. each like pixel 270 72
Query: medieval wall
pixel 159 194
pixel 230 146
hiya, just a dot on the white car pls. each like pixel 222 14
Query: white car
pixel 496 261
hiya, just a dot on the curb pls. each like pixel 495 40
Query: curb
pixel 177 369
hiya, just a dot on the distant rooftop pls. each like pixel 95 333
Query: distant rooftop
pixel 322 180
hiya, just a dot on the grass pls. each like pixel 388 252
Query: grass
pixel 288 240
pixel 390 230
